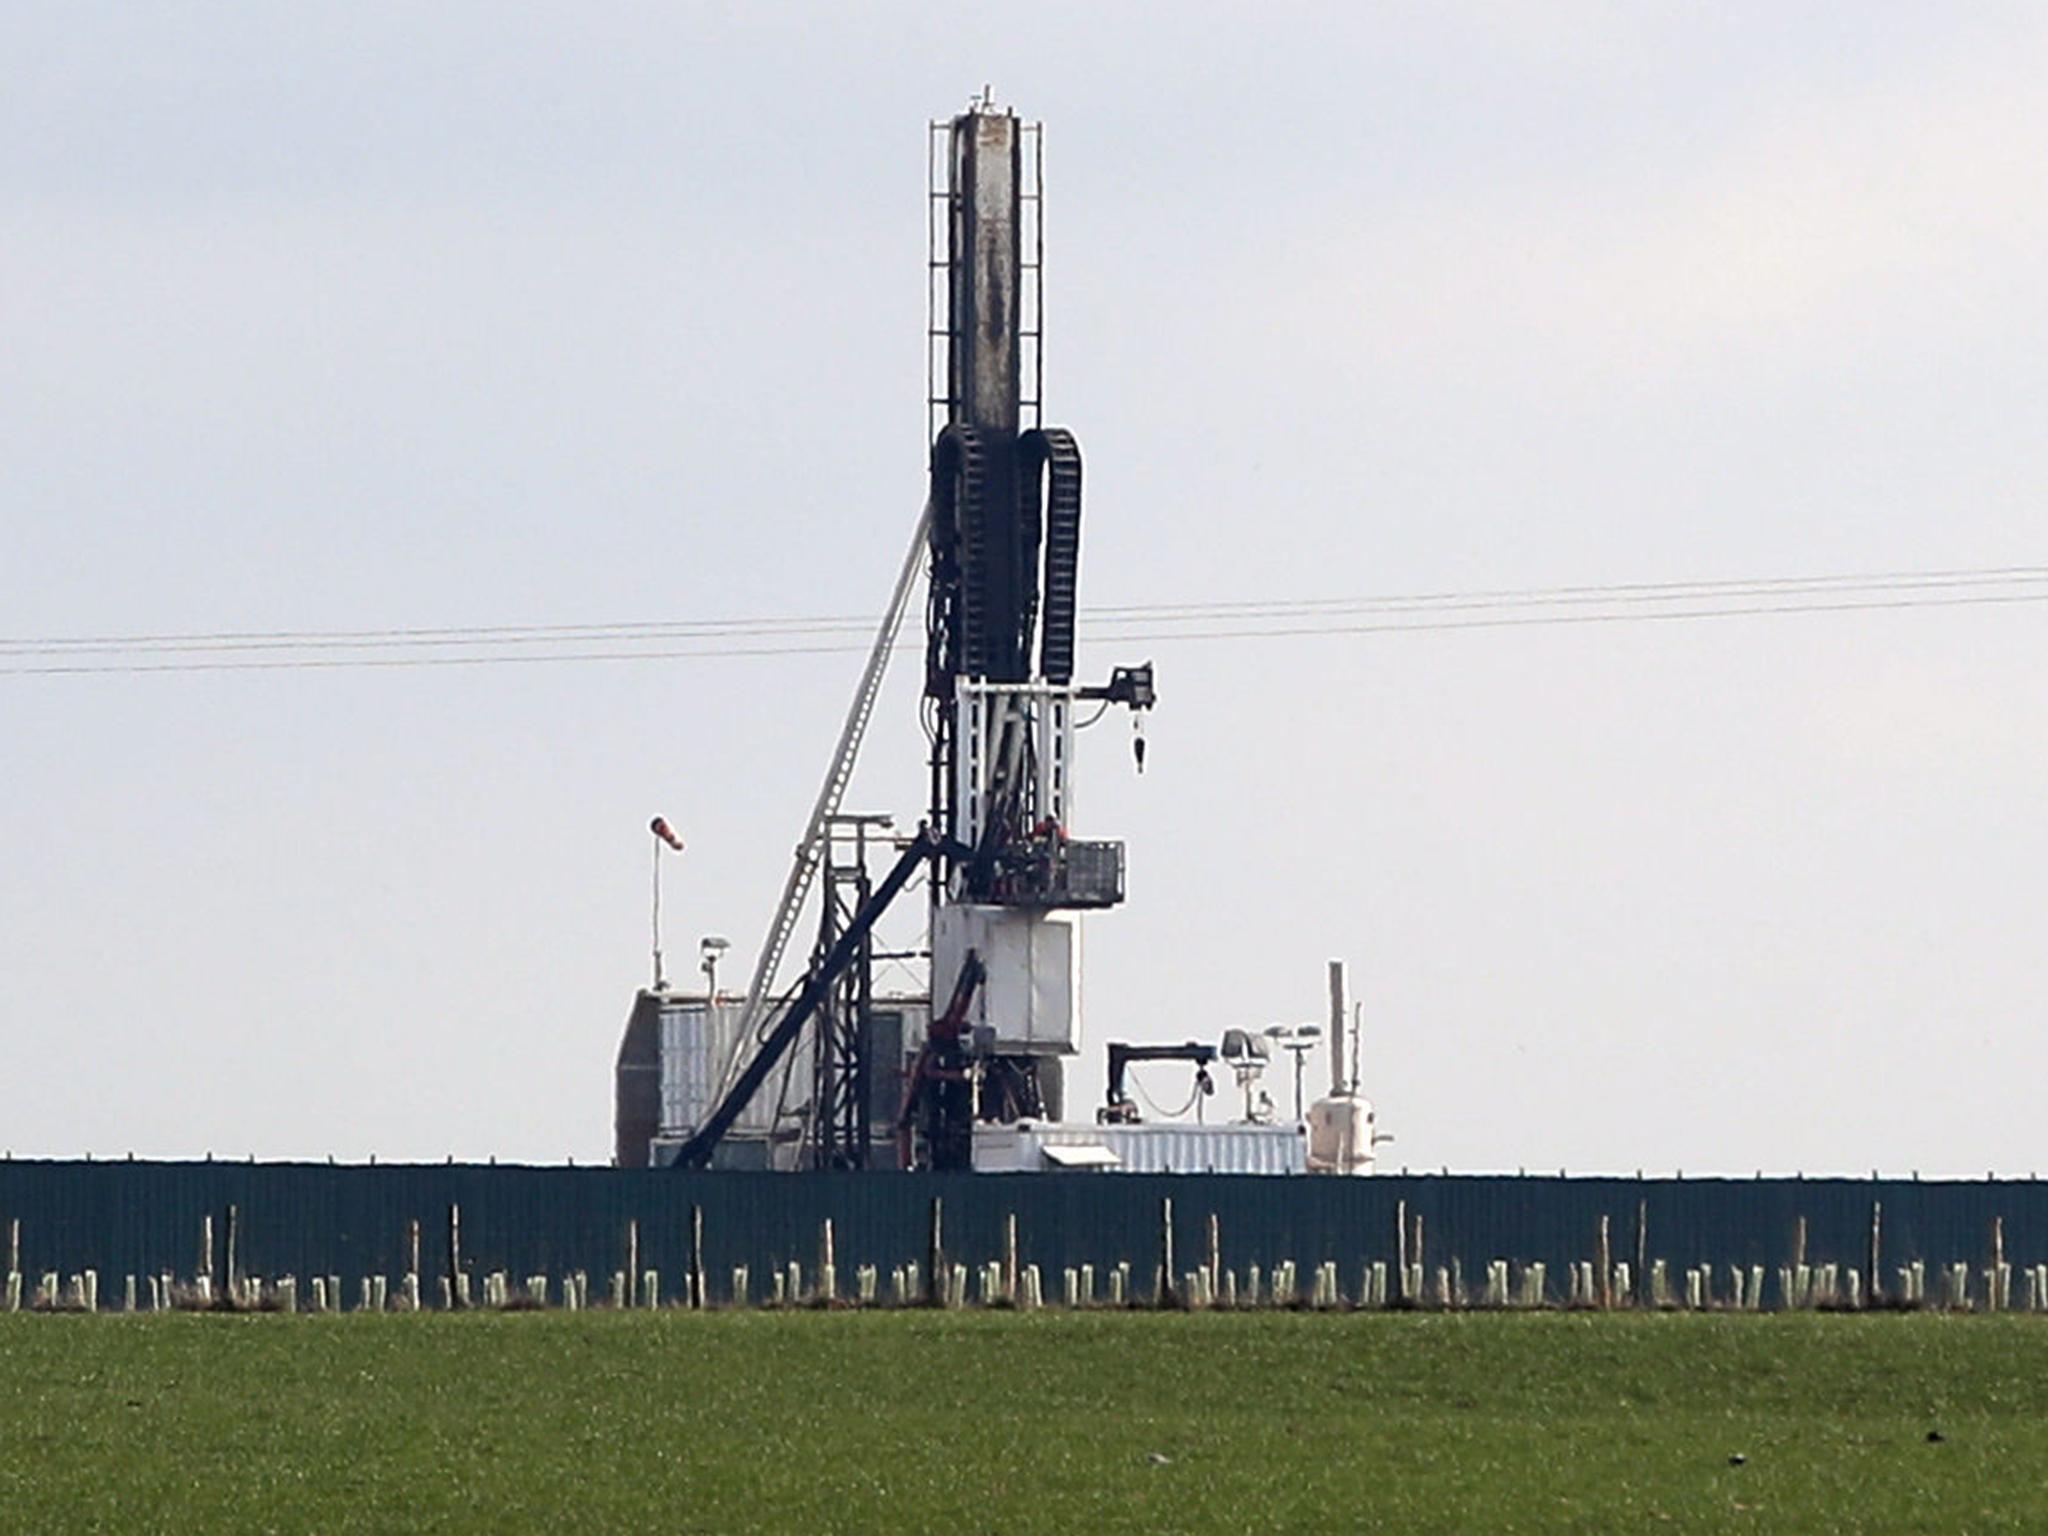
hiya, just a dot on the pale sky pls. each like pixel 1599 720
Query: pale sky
pixel 370 316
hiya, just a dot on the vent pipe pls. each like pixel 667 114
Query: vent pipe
pixel 1338 1011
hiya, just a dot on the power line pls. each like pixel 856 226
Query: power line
pixel 647 631
pixel 1264 631
pixel 494 634
pixel 1548 619
pixel 1659 590
pixel 1613 595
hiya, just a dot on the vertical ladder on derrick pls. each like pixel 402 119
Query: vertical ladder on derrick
pixel 941 390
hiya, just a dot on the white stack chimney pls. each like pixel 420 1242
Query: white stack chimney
pixel 1338 1013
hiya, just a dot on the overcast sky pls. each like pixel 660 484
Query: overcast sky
pixel 368 316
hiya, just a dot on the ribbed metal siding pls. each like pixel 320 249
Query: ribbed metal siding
pixel 314 1219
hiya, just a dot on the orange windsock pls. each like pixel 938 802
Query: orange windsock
pixel 661 829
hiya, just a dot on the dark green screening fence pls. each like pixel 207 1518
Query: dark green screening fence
pixel 146 1218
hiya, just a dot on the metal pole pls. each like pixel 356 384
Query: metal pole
pixel 657 915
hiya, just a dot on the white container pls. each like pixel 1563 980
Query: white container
pixel 1043 1147
pixel 1028 994
pixel 1340 1135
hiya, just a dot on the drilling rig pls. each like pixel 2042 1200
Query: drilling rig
pixel 966 1074
pixel 999 546
pixel 999 694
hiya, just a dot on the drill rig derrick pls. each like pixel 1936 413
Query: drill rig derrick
pixel 1000 542
pixel 1004 564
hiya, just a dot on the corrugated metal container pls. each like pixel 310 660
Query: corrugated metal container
pixel 1041 1147
pixel 697 1039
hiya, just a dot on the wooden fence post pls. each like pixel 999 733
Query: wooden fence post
pixel 454 1255
pixel 935 1255
pixel 1642 1274
pixel 1165 1297
pixel 1996 1299
pixel 1605 1289
pixel 1010 1272
pixel 697 1297
pixel 1401 1246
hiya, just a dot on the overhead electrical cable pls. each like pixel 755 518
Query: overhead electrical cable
pixel 498 645
pixel 502 634
pixel 1653 591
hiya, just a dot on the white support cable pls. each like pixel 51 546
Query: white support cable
pixel 804 868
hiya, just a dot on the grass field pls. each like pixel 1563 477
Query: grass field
pixel 1023 1422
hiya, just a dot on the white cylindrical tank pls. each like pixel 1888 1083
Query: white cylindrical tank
pixel 1340 1134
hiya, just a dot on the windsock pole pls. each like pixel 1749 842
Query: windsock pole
pixel 663 833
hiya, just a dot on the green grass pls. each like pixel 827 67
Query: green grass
pixel 1013 1422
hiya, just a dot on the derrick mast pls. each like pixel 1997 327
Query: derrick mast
pixel 1000 541
pixel 1004 561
